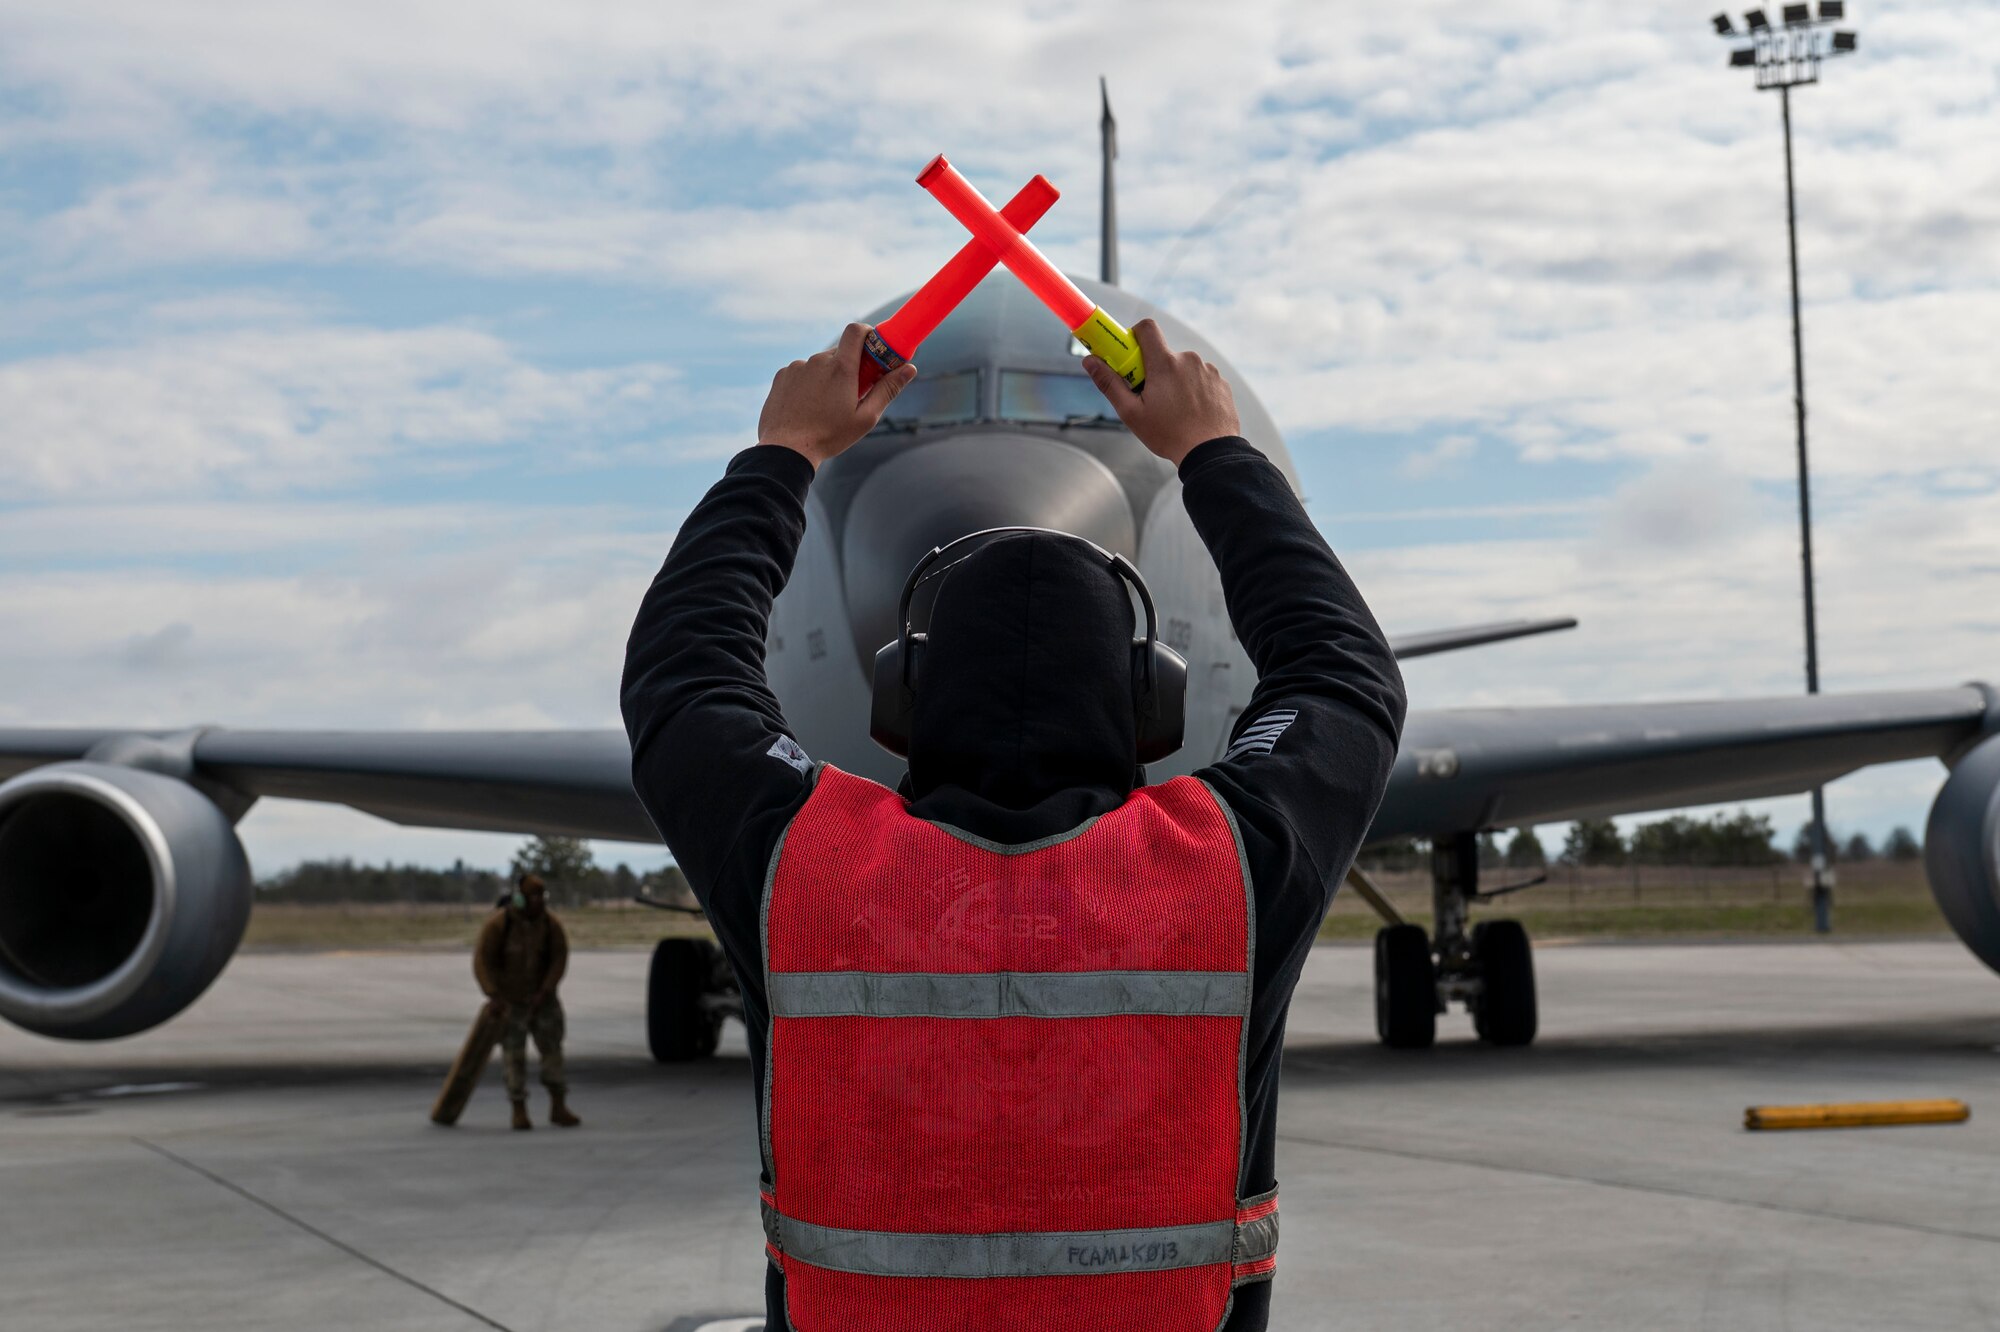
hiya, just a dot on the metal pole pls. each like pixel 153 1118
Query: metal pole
pixel 1107 216
pixel 1822 890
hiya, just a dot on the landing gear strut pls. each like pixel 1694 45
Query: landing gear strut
pixel 1489 969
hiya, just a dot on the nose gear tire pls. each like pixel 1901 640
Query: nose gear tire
pixel 679 1025
pixel 1405 988
pixel 1504 1011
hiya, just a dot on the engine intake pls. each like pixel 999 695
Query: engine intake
pixel 123 893
pixel 1962 850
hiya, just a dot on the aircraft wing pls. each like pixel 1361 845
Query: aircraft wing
pixel 1424 644
pixel 561 783
pixel 1459 769
pixel 1503 767
pixel 30 747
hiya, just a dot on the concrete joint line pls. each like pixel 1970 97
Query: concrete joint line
pixel 1662 1190
pixel 321 1235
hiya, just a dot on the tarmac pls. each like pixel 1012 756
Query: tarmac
pixel 264 1161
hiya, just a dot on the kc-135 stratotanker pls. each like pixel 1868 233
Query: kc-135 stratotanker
pixel 124 889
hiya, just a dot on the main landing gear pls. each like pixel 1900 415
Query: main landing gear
pixel 1490 969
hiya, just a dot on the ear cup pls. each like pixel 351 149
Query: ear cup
pixel 1159 699
pixel 894 704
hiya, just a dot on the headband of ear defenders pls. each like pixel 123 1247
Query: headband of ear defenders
pixel 1159 674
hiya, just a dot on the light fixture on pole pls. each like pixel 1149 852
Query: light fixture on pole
pixel 1785 57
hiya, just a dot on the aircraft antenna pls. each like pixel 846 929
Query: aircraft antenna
pixel 1107 244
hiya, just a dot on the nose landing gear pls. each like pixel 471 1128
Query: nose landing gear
pixel 1406 989
pixel 1490 969
pixel 1503 1012
pixel 689 991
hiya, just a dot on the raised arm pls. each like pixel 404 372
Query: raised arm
pixel 1310 757
pixel 708 736
pixel 1319 736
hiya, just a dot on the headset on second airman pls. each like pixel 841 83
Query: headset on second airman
pixel 1159 674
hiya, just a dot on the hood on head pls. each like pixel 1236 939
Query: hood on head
pixel 1025 689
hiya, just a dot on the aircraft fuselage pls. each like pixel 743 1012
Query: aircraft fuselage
pixel 1002 428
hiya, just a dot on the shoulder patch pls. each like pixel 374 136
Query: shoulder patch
pixel 786 750
pixel 1261 736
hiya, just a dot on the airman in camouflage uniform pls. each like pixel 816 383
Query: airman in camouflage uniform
pixel 519 960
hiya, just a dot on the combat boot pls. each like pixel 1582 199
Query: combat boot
pixel 559 1112
pixel 521 1120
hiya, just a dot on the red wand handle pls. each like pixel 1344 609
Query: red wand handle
pixel 896 339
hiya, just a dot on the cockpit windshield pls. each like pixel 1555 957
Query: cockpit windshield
pixel 1059 399
pixel 942 400
pixel 1040 397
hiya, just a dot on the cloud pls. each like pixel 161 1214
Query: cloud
pixel 1427 179
pixel 518 621
pixel 1439 456
pixel 319 534
pixel 1686 506
pixel 1712 612
pixel 1449 513
pixel 151 652
pixel 267 410
pixel 188 216
pixel 271 279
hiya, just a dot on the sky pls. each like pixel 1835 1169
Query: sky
pixel 358 361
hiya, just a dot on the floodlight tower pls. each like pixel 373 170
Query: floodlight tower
pixel 1786 57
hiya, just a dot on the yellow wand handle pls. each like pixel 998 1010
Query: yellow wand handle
pixel 1112 343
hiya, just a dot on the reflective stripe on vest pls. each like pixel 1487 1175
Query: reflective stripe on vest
pixel 1008 994
pixel 1250 1245
pixel 1004 1085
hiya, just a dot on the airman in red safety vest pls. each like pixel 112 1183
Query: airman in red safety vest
pixel 1015 1023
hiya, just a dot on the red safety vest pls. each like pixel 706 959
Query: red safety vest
pixel 1004 1084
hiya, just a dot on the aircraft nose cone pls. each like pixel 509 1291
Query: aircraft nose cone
pixel 963 484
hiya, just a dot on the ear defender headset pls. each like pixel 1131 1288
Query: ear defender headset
pixel 1159 674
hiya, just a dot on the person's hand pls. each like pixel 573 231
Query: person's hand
pixel 1187 402
pixel 496 1009
pixel 812 410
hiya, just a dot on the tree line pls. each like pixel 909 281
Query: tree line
pixel 574 877
pixel 1739 839
pixel 565 863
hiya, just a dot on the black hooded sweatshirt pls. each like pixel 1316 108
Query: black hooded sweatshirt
pixel 1023 727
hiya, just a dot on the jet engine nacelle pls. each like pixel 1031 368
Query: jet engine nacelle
pixel 1962 850
pixel 122 895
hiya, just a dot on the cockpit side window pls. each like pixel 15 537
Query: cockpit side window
pixel 935 401
pixel 1045 396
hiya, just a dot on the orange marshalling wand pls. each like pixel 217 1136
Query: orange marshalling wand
pixel 896 339
pixel 1108 340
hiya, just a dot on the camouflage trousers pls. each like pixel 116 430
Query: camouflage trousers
pixel 546 1026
